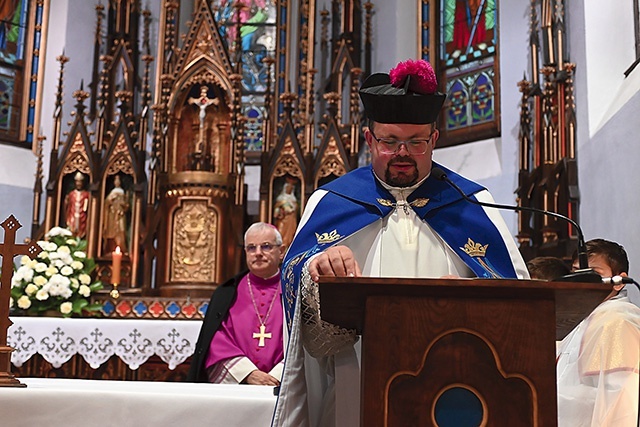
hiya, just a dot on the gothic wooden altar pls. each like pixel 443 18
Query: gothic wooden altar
pixel 174 207
pixel 154 158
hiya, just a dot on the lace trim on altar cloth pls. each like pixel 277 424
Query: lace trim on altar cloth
pixel 57 340
pixel 319 338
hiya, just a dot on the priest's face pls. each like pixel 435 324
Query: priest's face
pixel 263 253
pixel 401 153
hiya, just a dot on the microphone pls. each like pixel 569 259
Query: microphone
pixel 583 274
pixel 617 280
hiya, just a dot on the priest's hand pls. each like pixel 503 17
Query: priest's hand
pixel 336 261
pixel 258 377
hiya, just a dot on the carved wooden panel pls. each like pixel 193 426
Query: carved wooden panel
pixel 442 342
pixel 194 243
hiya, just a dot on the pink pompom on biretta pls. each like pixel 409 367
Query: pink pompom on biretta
pixel 423 78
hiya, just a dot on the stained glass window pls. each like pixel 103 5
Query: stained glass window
pixel 13 25
pixel 257 41
pixel 253 126
pixel 465 56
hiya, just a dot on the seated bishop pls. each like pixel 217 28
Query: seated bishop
pixel 241 340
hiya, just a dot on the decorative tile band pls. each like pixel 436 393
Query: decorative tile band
pixel 153 307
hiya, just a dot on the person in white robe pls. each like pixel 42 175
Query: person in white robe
pixel 598 363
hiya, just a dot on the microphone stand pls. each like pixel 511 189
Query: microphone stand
pixel 583 274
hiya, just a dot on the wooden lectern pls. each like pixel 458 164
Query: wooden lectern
pixel 424 340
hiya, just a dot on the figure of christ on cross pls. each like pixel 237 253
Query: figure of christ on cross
pixel 202 103
pixel 8 250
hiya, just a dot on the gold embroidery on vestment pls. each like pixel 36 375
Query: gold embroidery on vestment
pixel 417 203
pixel 474 249
pixel 328 237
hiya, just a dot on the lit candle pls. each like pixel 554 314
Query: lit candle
pixel 116 260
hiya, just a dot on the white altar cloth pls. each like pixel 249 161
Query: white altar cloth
pixel 58 339
pixel 58 402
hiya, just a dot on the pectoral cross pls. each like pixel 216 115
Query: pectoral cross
pixel 261 335
pixel 8 250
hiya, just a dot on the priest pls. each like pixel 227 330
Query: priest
pixel 241 340
pixel 389 219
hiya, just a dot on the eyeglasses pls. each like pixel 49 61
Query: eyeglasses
pixel 264 247
pixel 392 145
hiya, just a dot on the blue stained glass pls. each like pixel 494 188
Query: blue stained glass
pixel 457 111
pixel 425 31
pixel 6 95
pixel 257 41
pixel 253 128
pixel 482 99
pixel 257 37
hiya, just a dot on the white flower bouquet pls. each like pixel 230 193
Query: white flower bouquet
pixel 58 279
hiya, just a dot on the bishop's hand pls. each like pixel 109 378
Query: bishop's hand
pixel 336 261
pixel 258 377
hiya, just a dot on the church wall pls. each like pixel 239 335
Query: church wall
pixel 395 34
pixel 608 182
pixel 17 168
pixel 608 128
pixel 608 50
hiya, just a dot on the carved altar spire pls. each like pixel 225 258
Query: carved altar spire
pixel 145 99
pixel 268 125
pixel 37 187
pixel 57 115
pixel 97 55
pixel 548 168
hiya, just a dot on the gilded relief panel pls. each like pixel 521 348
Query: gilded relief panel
pixel 194 244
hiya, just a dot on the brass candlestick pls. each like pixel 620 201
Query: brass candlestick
pixel 115 294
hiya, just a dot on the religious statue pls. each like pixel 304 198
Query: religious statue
pixel 285 212
pixel 76 205
pixel 201 157
pixel 116 206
